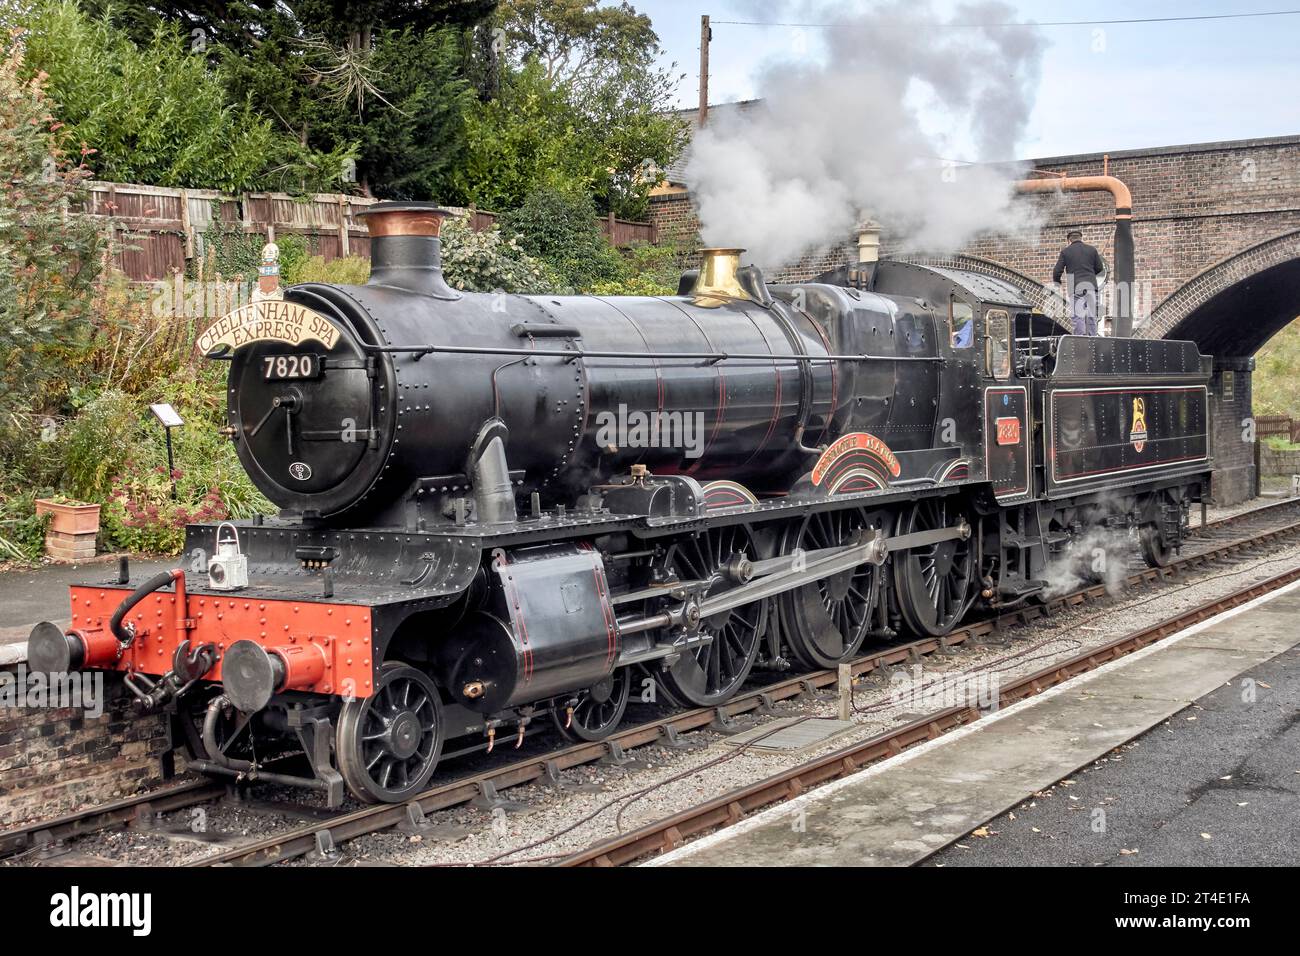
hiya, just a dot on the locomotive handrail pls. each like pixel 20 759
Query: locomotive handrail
pixel 419 351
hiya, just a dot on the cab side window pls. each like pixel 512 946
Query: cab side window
pixel 997 350
pixel 963 325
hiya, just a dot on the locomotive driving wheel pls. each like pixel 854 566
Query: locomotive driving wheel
pixel 599 709
pixel 388 744
pixel 934 584
pixel 713 672
pixel 825 622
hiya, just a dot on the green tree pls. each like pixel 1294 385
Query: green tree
pixel 579 42
pixel 581 107
pixel 524 140
pixel 1275 385
pixel 383 78
pixel 50 255
pixel 156 113
pixel 412 139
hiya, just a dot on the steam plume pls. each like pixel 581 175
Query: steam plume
pixel 835 142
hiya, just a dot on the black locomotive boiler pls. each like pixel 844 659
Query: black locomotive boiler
pixel 500 512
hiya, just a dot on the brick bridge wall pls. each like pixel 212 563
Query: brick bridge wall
pixel 1206 219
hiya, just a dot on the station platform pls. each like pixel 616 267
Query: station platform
pixel 902 811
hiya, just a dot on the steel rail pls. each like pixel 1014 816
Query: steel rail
pixel 729 808
pixel 107 816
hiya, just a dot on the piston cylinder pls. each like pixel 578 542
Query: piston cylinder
pixel 548 628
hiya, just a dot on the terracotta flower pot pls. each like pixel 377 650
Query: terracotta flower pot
pixel 73 529
pixel 70 518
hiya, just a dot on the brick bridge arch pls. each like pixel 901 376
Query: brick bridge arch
pixel 1236 305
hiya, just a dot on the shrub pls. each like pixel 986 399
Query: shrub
pixel 489 262
pixel 140 514
pixel 205 458
pixel 231 253
pixel 22 530
pixel 349 270
pixel 652 270
pixel 156 113
pixel 561 230
pixel 97 443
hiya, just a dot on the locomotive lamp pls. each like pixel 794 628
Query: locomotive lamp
pixel 228 569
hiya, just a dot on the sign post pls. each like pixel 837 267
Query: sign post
pixel 169 419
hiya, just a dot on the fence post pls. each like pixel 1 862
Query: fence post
pixel 186 226
pixel 345 238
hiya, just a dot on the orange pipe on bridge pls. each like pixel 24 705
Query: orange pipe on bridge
pixel 1125 267
pixel 1083 184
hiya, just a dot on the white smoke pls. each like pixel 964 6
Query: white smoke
pixel 835 142
pixel 1098 556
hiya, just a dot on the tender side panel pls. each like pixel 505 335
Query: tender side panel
pixel 1098 433
pixel 342 631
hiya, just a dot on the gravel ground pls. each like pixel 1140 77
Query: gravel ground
pixel 597 801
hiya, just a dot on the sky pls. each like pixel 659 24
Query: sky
pixel 1104 88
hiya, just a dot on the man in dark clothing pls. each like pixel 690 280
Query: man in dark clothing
pixel 1080 264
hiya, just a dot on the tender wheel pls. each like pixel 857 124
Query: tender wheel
pixel 712 673
pixel 599 709
pixel 388 744
pixel 824 623
pixel 1155 552
pixel 934 584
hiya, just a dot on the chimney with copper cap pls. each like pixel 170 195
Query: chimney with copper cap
pixel 405 248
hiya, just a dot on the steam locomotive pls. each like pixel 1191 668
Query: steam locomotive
pixel 504 512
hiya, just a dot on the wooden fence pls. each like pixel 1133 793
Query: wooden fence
pixel 1277 426
pixel 158 230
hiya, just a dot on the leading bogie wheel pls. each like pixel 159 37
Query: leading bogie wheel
pixel 388 744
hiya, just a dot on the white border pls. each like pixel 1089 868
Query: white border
pixel 1069 686
pixel 1051 416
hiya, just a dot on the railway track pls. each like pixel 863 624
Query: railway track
pixel 483 789
pixel 730 808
